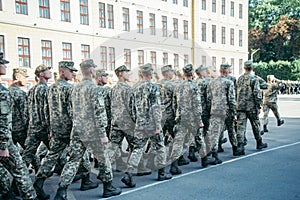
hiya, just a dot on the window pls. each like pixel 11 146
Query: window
pixel 67 51
pixel 126 19
pixel 21 7
pixel 232 9
pixel 110 16
pixel 203 32
pixel 1 5
pixel 240 38
pixel 152 23
pixel 213 6
pixel 164 0
pixel 165 58
pixel 231 36
pixel 232 65
pixel 223 35
pixel 175 27
pixel 2 44
pixel 44 9
pixel 153 58
pixel 203 4
pixel 175 1
pixel 204 60
pixel 84 12
pixel 127 58
pixel 241 11
pixel 103 57
pixel 102 15
pixel 214 62
pixel 214 33
pixel 223 60
pixel 24 52
pixel 185 3
pixel 241 66
pixel 47 53
pixel 140 57
pixel 223 7
pixel 111 58
pixel 165 26
pixel 85 51
pixel 176 60
pixel 186 59
pixel 186 29
pixel 139 16
pixel 65 10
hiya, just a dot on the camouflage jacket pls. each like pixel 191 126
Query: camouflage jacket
pixel 187 103
pixel 146 106
pixel 20 117
pixel 121 107
pixel 233 79
pixel 5 117
pixel 37 100
pixel 106 92
pixel 248 93
pixel 221 96
pixel 270 94
pixel 202 84
pixel 166 90
pixel 89 115
pixel 60 109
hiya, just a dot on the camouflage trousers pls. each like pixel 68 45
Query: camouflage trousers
pixel 216 125
pixel 266 108
pixel 32 143
pixel 185 136
pixel 229 125
pixel 157 150
pixel 242 125
pixel 17 168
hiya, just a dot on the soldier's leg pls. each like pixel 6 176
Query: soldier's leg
pixel 265 119
pixel 117 137
pixel 241 129
pixel 255 123
pixel 274 108
pixel 231 132
pixel 216 125
pixel 4 181
pixel 32 143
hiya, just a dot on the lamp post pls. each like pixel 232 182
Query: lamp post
pixel 252 54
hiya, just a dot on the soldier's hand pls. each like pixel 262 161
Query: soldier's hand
pixel 4 154
pixel 104 140
pixel 234 117
pixel 157 132
pixel 201 125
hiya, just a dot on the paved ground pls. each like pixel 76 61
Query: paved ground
pixel 273 173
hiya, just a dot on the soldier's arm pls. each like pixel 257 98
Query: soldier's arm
pixel 5 112
pixel 198 106
pixel 156 107
pixel 99 112
pixel 44 112
pixel 257 94
pixel 24 108
pixel 231 99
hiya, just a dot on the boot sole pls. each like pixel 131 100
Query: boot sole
pixel 111 195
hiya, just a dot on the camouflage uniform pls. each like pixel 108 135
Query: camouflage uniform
pixel 14 164
pixel 106 92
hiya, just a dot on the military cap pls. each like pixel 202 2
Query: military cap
pixel 225 66
pixel 67 64
pixel 248 64
pixel 200 69
pixel 122 68
pixel 2 60
pixel 40 69
pixel 20 71
pixel 188 68
pixel 88 64
pixel 146 68
pixel 166 68
pixel 101 72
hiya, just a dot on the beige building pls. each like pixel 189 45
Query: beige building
pixel 131 32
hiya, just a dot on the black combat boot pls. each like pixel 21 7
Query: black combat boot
pixel 162 175
pixel 266 128
pixel 182 161
pixel 61 193
pixel 38 186
pixel 174 169
pixel 77 178
pixel 236 151
pixel 260 144
pixel 204 162
pixel 220 148
pixel 87 184
pixel 192 155
pixel 216 157
pixel 280 122
pixel 109 190
pixel 127 180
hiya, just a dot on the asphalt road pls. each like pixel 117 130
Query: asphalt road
pixel 273 173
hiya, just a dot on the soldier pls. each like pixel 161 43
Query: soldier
pixel 122 121
pixel 60 120
pixel 146 112
pixel 222 104
pixel 188 109
pixel 88 131
pixel 248 106
pixel 270 101
pixel 38 129
pixel 10 158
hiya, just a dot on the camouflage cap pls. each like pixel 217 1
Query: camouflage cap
pixel 101 72
pixel 2 60
pixel 166 68
pixel 225 66
pixel 40 69
pixel 20 71
pixel 248 64
pixel 88 64
pixel 188 68
pixel 67 64
pixel 122 68
pixel 200 69
pixel 146 68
